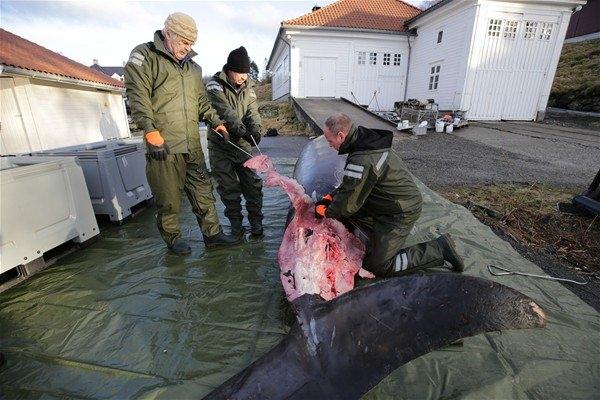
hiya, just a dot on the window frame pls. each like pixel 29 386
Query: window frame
pixel 435 69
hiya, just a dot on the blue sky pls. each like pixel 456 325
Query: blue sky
pixel 108 30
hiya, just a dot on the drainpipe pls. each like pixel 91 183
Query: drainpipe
pixel 289 64
pixel 407 67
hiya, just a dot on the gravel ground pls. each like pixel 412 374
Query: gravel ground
pixel 478 155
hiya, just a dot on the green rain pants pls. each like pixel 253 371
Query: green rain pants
pixel 185 171
pixel 386 254
pixel 233 180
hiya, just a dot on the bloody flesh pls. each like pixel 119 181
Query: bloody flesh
pixel 316 256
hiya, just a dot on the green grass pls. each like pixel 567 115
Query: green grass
pixel 577 81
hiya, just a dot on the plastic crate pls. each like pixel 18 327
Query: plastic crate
pixel 44 203
pixel 115 174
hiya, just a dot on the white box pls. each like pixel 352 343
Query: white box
pixel 44 202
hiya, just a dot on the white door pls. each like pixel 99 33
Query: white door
pixel 378 79
pixel 319 76
pixel 511 66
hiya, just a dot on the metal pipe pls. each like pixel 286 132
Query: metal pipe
pixel 509 272
pixel 407 67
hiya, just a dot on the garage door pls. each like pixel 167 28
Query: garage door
pixel 512 66
pixel 319 76
pixel 378 79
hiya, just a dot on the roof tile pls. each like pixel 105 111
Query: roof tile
pixel 388 15
pixel 21 53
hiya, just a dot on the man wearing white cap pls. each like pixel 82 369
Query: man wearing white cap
pixel 168 99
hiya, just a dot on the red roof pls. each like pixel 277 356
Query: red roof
pixel 388 15
pixel 21 53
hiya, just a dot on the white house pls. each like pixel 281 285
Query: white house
pixel 492 59
pixel 117 73
pixel 49 101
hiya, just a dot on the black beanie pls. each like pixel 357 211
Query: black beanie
pixel 238 61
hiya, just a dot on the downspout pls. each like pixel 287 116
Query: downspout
pixel 289 64
pixel 407 67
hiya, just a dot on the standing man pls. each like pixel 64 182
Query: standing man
pixel 168 99
pixel 378 194
pixel 232 95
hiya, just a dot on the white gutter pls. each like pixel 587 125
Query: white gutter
pixel 5 69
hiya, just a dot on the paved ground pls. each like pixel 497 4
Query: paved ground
pixel 504 152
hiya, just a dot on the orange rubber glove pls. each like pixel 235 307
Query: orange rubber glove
pixel 320 211
pixel 223 131
pixel 157 148
pixel 154 138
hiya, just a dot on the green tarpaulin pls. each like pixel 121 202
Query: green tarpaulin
pixel 124 318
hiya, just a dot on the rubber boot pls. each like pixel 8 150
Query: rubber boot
pixel 256 228
pixel 237 229
pixel 180 247
pixel 449 251
pixel 221 240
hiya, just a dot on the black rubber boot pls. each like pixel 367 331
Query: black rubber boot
pixel 221 240
pixel 256 228
pixel 449 251
pixel 180 247
pixel 237 229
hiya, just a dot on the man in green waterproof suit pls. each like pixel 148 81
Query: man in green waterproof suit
pixel 168 99
pixel 232 95
pixel 378 194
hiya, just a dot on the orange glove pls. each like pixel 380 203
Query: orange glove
pixel 223 131
pixel 154 138
pixel 320 210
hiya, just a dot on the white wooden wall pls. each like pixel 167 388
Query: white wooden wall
pixel 280 81
pixel 41 115
pixel 510 75
pixel 451 55
pixel 324 64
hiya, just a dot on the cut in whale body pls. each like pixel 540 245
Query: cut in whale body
pixel 341 348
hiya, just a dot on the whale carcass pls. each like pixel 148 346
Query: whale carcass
pixel 346 340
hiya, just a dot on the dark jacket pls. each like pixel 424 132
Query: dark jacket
pixel 376 181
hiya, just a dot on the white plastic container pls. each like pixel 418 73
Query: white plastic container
pixel 419 130
pixel 439 126
pixel 44 202
pixel 449 128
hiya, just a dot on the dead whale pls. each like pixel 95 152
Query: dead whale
pixel 342 346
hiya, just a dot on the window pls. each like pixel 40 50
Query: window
pixel 372 58
pixel 530 29
pixel 510 29
pixel 396 59
pixel 386 59
pixel 362 58
pixel 434 77
pixel 545 31
pixel 494 27
pixel 440 34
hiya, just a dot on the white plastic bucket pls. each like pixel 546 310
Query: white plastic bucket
pixel 439 126
pixel 449 128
